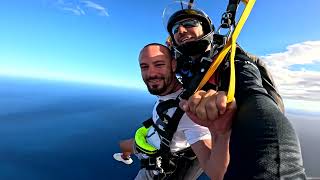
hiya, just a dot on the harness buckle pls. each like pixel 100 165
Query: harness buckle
pixel 158 164
pixel 151 163
pixel 206 59
pixel 155 165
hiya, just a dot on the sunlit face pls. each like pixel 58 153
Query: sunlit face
pixel 157 69
pixel 183 34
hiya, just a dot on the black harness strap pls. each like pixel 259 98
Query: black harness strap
pixel 149 163
pixel 173 122
pixel 167 133
pixel 164 106
pixel 147 123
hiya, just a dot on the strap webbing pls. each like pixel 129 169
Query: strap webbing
pixel 231 44
pixel 147 123
pixel 171 125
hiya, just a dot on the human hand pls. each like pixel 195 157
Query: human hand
pixel 210 109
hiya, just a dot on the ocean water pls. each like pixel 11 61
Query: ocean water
pixel 54 130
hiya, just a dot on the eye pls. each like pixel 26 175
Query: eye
pixel 175 28
pixel 188 25
pixel 143 67
pixel 159 65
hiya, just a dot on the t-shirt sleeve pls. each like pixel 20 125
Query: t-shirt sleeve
pixel 193 132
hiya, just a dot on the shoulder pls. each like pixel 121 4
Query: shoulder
pixel 245 62
pixel 244 57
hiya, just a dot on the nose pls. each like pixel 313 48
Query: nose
pixel 181 29
pixel 151 71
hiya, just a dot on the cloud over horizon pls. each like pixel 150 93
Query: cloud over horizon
pixel 303 81
pixel 81 7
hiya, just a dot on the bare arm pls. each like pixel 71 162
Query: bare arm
pixel 213 161
pixel 126 147
pixel 210 109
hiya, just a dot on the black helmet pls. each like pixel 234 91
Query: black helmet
pixel 190 13
pixel 184 11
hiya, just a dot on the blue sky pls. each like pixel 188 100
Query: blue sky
pixel 98 41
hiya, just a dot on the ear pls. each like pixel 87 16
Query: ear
pixel 174 64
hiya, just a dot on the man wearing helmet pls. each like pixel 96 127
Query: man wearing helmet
pixel 194 41
pixel 263 143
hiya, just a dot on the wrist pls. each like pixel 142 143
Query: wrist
pixel 222 136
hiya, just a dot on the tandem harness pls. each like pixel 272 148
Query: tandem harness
pixel 174 165
pixel 169 165
pixel 163 160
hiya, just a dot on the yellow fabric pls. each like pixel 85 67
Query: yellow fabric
pixel 232 82
pixel 214 66
pixel 141 142
pixel 231 44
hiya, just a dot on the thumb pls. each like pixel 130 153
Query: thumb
pixel 184 105
pixel 195 119
pixel 232 106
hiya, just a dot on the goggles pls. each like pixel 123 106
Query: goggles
pixel 189 23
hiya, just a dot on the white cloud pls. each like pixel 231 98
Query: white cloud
pixel 79 8
pixel 102 11
pixel 76 11
pixel 301 83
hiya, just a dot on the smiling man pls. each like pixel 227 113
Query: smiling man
pixel 158 69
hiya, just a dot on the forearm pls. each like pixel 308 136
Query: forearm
pixel 218 160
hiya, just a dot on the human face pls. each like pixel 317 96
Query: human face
pixel 187 33
pixel 187 23
pixel 157 69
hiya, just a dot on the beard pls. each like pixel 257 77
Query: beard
pixel 157 88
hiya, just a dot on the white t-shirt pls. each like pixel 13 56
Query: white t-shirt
pixel 187 132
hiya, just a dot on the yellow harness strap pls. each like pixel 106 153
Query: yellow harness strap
pixel 231 44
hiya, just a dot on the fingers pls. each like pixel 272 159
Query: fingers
pixel 232 106
pixel 202 104
pixel 210 106
pixel 195 119
pixel 195 100
pixel 221 102
pixel 224 122
pixel 205 107
pixel 210 109
pixel 184 105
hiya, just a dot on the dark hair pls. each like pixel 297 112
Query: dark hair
pixel 157 44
